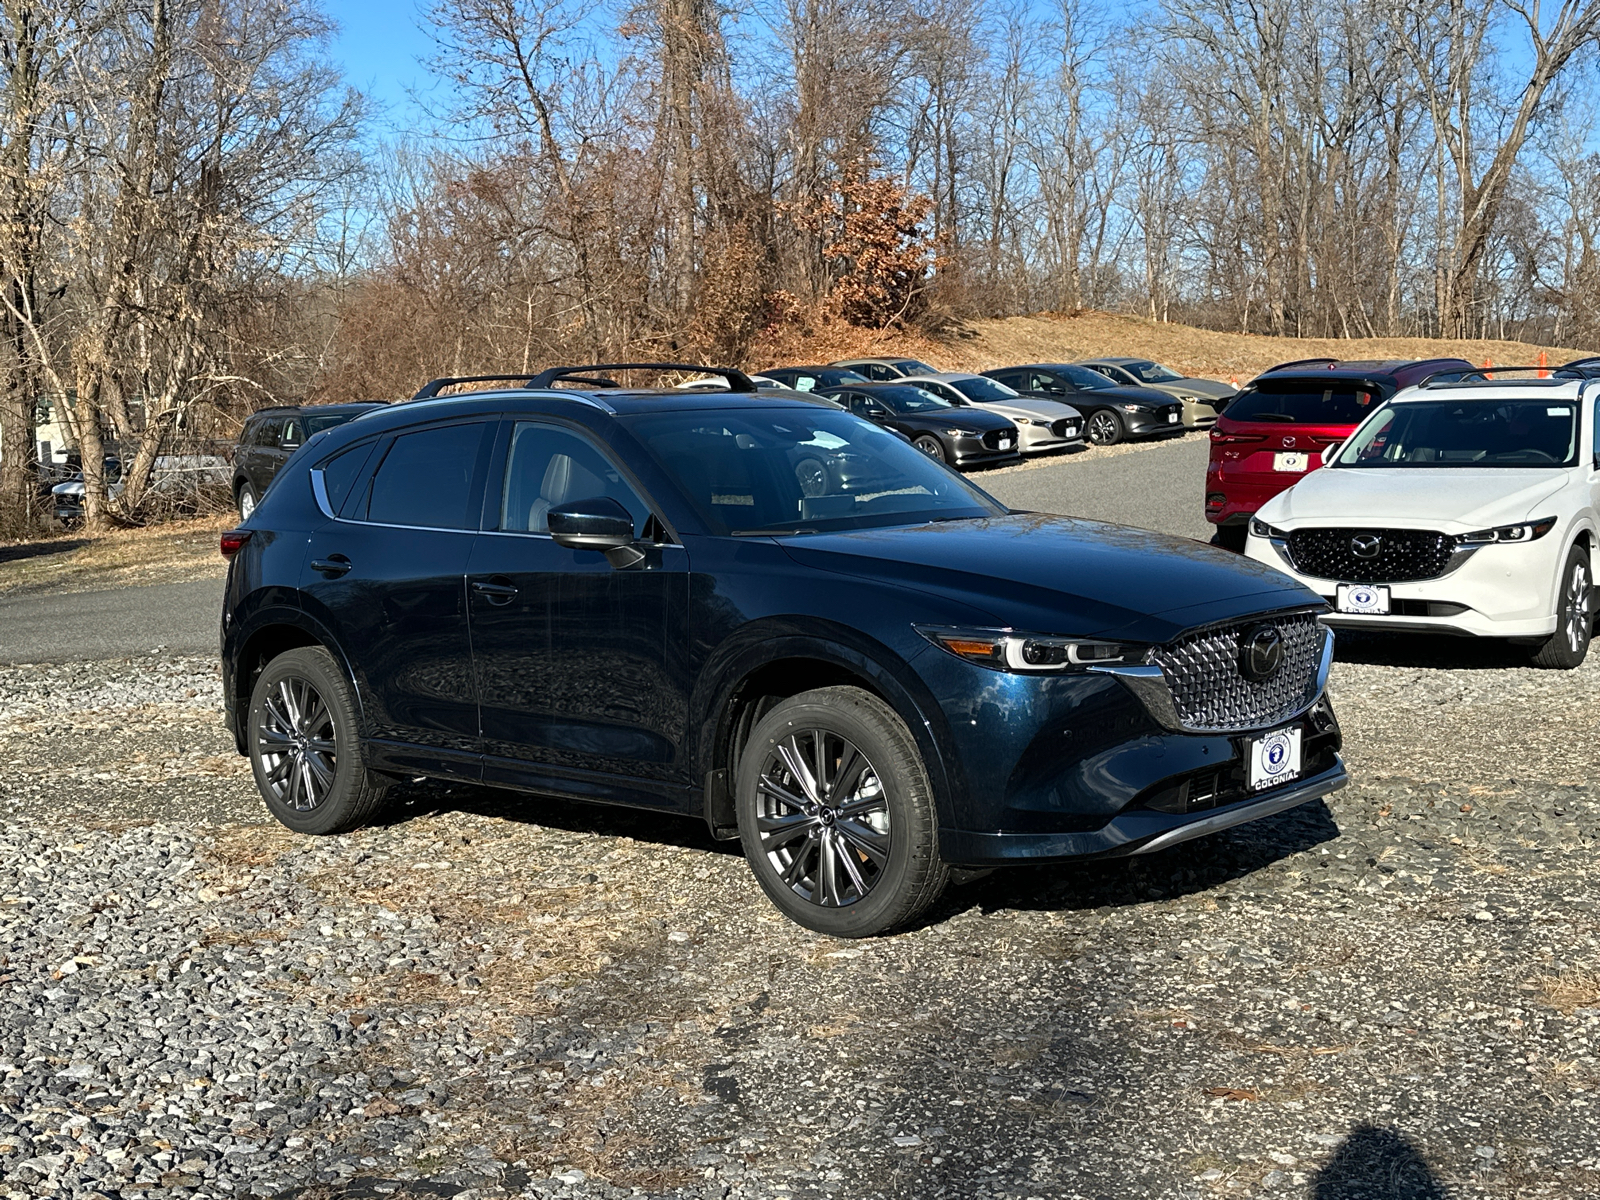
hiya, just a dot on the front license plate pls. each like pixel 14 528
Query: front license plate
pixel 1005 443
pixel 1362 598
pixel 1274 759
pixel 1290 460
pixel 1172 418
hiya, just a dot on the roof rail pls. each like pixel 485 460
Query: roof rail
pixel 738 381
pixel 434 386
pixel 1480 376
pixel 1592 361
pixel 1302 362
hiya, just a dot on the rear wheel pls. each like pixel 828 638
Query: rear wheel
pixel 305 747
pixel 931 446
pixel 1567 647
pixel 1104 428
pixel 247 501
pixel 836 814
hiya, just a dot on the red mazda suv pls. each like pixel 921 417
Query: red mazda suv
pixel 1287 419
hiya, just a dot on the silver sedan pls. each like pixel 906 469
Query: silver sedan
pixel 1042 425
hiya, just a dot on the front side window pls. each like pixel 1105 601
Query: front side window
pixel 1469 433
pixel 425 479
pixel 549 466
pixel 787 471
pixel 1086 380
pixel 1040 382
pixel 913 366
pixel 267 434
pixel 938 388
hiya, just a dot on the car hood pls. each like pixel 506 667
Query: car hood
pixel 1062 575
pixel 1043 410
pixel 976 419
pixel 1450 499
pixel 1132 395
pixel 1206 389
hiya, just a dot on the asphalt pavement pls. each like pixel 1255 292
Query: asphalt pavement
pixel 1154 487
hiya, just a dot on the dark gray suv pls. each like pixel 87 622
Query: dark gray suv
pixel 271 435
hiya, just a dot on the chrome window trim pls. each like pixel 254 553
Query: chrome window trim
pixel 319 490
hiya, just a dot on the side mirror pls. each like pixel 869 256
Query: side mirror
pixel 875 410
pixel 598 524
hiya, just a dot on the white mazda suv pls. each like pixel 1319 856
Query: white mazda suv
pixel 1465 507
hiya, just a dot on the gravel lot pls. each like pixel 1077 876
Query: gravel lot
pixel 1396 993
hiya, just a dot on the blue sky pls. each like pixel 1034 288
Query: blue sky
pixel 378 45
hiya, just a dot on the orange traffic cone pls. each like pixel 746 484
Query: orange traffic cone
pixel 1542 363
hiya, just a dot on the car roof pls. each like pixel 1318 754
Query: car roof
pixel 1394 369
pixel 949 376
pixel 887 360
pixel 1115 362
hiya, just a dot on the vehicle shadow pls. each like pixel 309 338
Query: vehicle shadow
pixel 1377 1164
pixel 1443 652
pixel 1183 870
pixel 26 550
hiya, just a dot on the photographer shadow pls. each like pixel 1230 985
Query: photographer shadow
pixel 1377 1164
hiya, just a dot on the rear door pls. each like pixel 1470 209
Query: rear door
pixel 387 576
pixel 581 667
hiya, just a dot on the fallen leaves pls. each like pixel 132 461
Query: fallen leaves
pixel 1241 1095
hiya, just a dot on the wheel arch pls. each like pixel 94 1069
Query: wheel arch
pixel 271 634
pixel 773 669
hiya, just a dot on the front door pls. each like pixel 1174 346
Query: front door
pixel 581 671
pixel 388 577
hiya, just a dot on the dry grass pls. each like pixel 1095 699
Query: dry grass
pixel 84 562
pixel 1570 990
pixel 1048 337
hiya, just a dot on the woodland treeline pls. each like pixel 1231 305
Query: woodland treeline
pixel 198 216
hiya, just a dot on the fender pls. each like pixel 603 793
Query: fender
pixel 277 612
pixel 773 639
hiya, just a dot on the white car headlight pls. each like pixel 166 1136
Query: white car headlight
pixel 1021 421
pixel 1026 653
pixel 1528 531
pixel 1260 528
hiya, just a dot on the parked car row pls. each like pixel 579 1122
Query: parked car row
pixel 1422 496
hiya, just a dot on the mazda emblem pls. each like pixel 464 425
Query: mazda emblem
pixel 1288 442
pixel 1366 545
pixel 1260 653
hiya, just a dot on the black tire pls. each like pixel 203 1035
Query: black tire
pixel 931 446
pixel 247 500
pixel 1568 646
pixel 1104 428
pixel 1231 537
pixel 318 782
pixel 885 824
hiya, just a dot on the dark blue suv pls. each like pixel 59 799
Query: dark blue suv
pixel 776 617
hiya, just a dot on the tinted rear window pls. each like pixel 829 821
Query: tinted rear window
pixel 426 479
pixel 1338 404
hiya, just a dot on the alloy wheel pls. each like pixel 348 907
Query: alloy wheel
pixel 1102 428
pixel 247 504
pixel 296 741
pixel 1580 607
pixel 823 818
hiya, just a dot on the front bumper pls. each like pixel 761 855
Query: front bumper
pixel 1139 831
pixel 1502 591
pixel 971 452
pixel 1153 424
pixel 1037 439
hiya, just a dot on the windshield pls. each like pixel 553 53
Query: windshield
pixel 909 398
pixel 1085 380
pixel 810 470
pixel 1466 433
pixel 1151 372
pixel 1304 404
pixel 913 366
pixel 318 424
pixel 939 388
pixel 985 391
pixel 808 381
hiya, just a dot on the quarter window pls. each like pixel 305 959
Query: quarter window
pixel 426 479
pixel 339 474
pixel 549 466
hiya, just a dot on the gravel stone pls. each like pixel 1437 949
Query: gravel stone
pixel 487 995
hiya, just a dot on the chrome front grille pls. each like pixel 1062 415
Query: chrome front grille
pixel 1371 555
pixel 1210 692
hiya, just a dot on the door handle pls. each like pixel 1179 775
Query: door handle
pixel 334 564
pixel 494 593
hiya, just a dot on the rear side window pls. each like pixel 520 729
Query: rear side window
pixel 339 474
pixel 1303 404
pixel 291 433
pixel 426 479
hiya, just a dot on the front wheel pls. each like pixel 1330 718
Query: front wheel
pixel 931 446
pixel 1104 428
pixel 837 816
pixel 305 747
pixel 1568 646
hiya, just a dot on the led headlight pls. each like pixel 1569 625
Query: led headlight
pixel 1021 421
pixel 1030 653
pixel 1260 528
pixel 1528 531
pixel 1133 408
pixel 958 433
